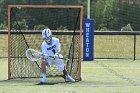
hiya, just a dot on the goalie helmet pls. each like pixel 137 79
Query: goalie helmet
pixel 47 35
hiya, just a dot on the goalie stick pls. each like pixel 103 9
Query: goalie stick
pixel 35 55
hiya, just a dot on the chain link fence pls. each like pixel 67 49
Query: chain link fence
pixel 3 44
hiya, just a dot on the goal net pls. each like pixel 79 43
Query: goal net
pixel 25 24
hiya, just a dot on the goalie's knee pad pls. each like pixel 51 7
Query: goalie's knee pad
pixel 60 64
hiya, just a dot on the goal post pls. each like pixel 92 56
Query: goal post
pixel 25 24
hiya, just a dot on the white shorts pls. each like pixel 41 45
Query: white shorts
pixel 58 62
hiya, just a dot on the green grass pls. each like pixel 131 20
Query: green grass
pixel 3 45
pixel 99 76
pixel 116 46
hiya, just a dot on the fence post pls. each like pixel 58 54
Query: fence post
pixel 134 47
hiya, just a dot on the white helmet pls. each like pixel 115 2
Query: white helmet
pixel 47 35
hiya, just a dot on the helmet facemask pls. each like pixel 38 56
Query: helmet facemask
pixel 48 39
pixel 47 35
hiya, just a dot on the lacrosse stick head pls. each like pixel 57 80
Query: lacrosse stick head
pixel 33 55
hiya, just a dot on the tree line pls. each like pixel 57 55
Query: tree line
pixel 107 14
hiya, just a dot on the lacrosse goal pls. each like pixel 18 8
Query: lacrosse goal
pixel 25 24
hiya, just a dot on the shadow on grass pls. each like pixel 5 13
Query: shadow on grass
pixel 29 82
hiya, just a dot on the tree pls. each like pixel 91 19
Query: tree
pixel 3 15
pixel 5 3
pixel 99 14
pixel 104 14
pixel 129 14
pixel 109 14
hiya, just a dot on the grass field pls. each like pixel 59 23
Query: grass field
pixel 99 76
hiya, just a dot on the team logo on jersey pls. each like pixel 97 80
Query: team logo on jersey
pixel 50 48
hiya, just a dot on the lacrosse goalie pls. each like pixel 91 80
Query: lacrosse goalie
pixel 51 47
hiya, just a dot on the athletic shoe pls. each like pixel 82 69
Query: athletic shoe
pixel 69 79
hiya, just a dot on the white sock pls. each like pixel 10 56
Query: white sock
pixel 44 75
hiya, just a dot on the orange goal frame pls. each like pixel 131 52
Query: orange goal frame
pixel 45 6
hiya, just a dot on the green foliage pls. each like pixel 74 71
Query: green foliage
pixel 20 25
pixel 93 6
pixel 110 14
pixel 130 13
pixel 39 27
pixel 3 26
pixel 98 13
pixel 84 4
pixel 103 29
pixel 104 13
pixel 127 28
pixel 114 15
pixel 108 17
pixel 3 14
pixel 62 28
